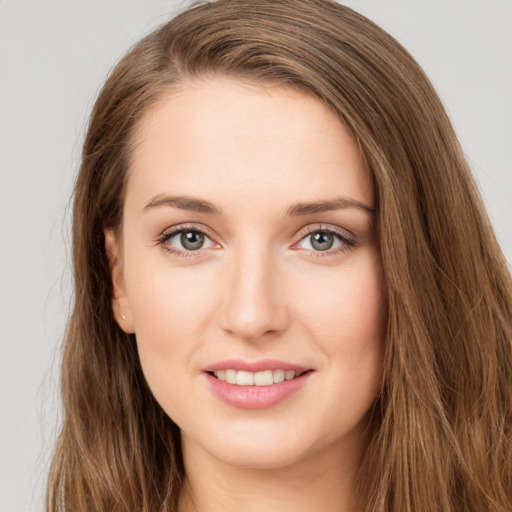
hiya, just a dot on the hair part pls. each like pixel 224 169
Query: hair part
pixel 442 424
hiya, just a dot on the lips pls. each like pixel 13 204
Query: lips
pixel 255 366
pixel 255 385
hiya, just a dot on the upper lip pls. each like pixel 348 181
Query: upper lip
pixel 255 366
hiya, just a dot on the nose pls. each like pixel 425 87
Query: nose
pixel 254 304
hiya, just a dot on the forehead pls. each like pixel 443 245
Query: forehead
pixel 222 136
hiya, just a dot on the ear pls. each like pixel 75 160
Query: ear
pixel 120 303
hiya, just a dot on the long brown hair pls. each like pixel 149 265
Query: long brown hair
pixel 442 424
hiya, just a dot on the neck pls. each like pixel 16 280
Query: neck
pixel 324 481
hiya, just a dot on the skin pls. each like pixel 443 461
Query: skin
pixel 256 289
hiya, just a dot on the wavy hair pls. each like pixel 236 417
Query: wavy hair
pixel 442 423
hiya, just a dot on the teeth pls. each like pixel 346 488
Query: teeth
pixel 245 378
pixel 278 376
pixel 230 376
pixel 264 378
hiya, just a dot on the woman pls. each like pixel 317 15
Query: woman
pixel 287 291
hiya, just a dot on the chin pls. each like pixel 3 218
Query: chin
pixel 258 456
pixel 259 447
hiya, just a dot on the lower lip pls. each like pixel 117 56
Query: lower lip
pixel 256 397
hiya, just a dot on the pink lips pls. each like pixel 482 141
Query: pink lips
pixel 255 397
pixel 254 366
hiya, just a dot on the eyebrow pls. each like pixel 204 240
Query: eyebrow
pixel 337 203
pixel 299 209
pixel 183 202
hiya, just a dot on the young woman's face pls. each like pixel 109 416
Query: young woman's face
pixel 249 254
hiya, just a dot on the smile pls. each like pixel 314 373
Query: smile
pixel 258 384
pixel 263 378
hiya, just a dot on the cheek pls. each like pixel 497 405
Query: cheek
pixel 171 309
pixel 165 310
pixel 346 315
pixel 348 305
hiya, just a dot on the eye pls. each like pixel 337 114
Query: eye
pixel 326 240
pixel 184 240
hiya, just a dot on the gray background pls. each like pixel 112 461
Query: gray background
pixel 54 56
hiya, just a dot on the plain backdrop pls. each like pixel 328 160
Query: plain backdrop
pixel 54 56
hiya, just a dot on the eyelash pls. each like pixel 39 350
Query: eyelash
pixel 347 240
pixel 341 235
pixel 167 235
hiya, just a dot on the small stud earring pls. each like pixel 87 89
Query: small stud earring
pixel 123 317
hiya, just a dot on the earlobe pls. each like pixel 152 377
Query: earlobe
pixel 120 303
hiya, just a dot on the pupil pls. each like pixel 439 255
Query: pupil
pixel 192 240
pixel 322 241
